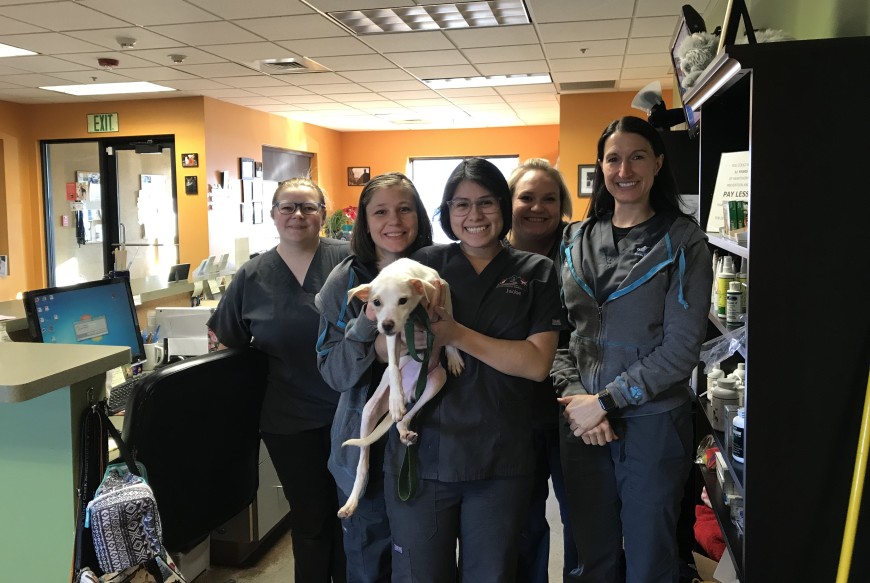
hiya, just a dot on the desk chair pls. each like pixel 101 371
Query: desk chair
pixel 195 426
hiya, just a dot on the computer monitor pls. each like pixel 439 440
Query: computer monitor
pixel 96 312
pixel 179 272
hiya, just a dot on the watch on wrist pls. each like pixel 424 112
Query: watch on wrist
pixel 605 399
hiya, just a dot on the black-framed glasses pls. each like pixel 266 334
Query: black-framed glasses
pixel 459 207
pixel 307 208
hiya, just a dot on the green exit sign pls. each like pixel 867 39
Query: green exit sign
pixel 99 123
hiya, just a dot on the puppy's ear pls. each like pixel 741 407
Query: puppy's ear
pixel 423 288
pixel 360 291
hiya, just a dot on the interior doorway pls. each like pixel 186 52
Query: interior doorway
pixel 103 194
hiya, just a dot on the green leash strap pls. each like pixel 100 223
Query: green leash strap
pixel 407 484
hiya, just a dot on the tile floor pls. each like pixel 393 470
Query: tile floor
pixel 275 563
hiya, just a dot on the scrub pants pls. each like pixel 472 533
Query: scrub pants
pixel 624 497
pixel 485 516
pixel 300 462
pixel 367 540
pixel 533 564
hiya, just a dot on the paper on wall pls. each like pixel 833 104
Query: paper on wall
pixel 732 183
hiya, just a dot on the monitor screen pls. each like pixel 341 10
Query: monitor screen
pixel 96 312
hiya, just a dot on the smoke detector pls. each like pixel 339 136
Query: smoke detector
pixel 126 42
pixel 177 59
pixel 107 63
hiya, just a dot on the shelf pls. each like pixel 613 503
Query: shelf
pixel 720 323
pixel 728 245
pixel 733 537
pixel 734 468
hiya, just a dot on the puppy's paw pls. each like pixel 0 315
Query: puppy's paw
pixel 408 437
pixel 454 360
pixel 397 407
pixel 348 509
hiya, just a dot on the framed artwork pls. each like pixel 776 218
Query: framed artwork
pixel 258 169
pixel 191 185
pixel 246 168
pixel 358 175
pixel 257 208
pixel 190 160
pixel 246 211
pixel 585 180
pixel 247 191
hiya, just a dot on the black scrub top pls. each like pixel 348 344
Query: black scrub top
pixel 265 306
pixel 478 426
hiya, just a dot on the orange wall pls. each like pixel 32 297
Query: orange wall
pixel 583 116
pixel 390 151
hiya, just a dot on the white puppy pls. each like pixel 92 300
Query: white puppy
pixel 394 294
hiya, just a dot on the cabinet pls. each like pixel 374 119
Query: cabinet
pixel 796 107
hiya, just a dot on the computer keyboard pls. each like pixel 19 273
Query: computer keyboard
pixel 119 395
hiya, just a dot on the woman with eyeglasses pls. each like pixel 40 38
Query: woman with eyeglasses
pixel 270 305
pixel 474 477
pixel 391 223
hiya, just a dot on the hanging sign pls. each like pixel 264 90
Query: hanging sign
pixel 99 123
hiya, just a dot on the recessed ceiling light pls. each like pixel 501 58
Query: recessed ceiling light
pixel 10 51
pixel 109 88
pixel 434 17
pixel 491 81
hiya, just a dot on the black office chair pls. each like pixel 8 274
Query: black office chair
pixel 194 424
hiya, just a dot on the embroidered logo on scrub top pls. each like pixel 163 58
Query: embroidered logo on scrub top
pixel 514 285
pixel 642 250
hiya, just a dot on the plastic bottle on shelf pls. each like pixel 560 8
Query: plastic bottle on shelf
pixel 724 394
pixel 740 372
pixel 738 430
pixel 713 376
pixel 743 277
pixel 714 291
pixel 723 280
pixel 733 301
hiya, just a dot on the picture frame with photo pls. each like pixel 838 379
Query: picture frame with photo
pixel 190 160
pixel 358 175
pixel 257 216
pixel 247 191
pixel 191 185
pixel 246 168
pixel 585 180
pixel 258 169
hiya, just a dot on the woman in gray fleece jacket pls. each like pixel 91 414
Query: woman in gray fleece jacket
pixel 636 279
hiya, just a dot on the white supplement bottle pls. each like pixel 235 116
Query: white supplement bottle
pixel 714 375
pixel 738 428
pixel 724 394
pixel 723 280
pixel 733 305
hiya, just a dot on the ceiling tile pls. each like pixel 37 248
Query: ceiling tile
pixel 275 108
pixel 49 43
pixel 125 60
pixel 428 58
pixel 40 64
pixel 495 98
pixel 34 80
pixel 191 55
pixel 380 86
pixel 401 42
pixel 650 60
pixel 206 33
pixel 468 92
pixel 594 48
pixel 519 68
pixel 253 100
pixel 586 64
pixel 527 97
pixel 326 106
pixel 314 48
pixel 656 26
pixel 652 44
pixel 640 83
pixel 335 5
pixel 642 72
pixel 193 84
pixel 150 13
pixel 503 54
pixel 493 37
pixel 444 72
pixel 375 104
pixel 339 88
pixel 351 98
pixel 216 70
pixel 61 16
pixel 377 75
pixel 668 7
pixel 252 80
pixel 396 95
pixel 249 52
pixel 292 27
pixel 281 90
pixel 524 89
pixel 355 63
pixel 565 10
pixel 86 77
pixel 305 79
pixel 572 76
pixel 108 38
pixel 231 9
pixel 156 74
pixel 591 30
pixel 4 70
pixel 10 26
pixel 300 99
pixel 222 93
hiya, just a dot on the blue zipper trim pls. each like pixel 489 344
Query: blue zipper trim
pixel 351 282
pixel 569 261
pixel 648 275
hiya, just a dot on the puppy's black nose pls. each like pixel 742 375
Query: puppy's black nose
pixel 388 326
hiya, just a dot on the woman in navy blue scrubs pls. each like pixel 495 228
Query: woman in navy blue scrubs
pixel 476 458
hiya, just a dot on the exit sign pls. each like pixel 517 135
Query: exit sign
pixel 99 123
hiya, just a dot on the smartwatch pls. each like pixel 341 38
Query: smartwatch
pixel 605 399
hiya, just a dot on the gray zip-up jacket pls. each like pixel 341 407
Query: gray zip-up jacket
pixel 642 342
pixel 346 360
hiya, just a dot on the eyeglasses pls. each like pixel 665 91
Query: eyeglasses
pixel 459 207
pixel 307 208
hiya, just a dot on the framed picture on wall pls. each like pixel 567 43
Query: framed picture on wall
pixel 247 191
pixel 257 208
pixel 190 160
pixel 258 169
pixel 585 179
pixel 358 175
pixel 246 168
pixel 191 185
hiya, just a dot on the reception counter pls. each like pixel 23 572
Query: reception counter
pixel 44 388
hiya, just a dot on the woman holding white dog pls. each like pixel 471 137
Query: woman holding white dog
pixel 391 223
pixel 636 282
pixel 270 304
pixel 476 458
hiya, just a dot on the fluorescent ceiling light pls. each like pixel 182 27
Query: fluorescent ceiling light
pixel 434 17
pixel 9 51
pixel 492 81
pixel 109 88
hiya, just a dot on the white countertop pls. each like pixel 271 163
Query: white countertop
pixel 28 370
